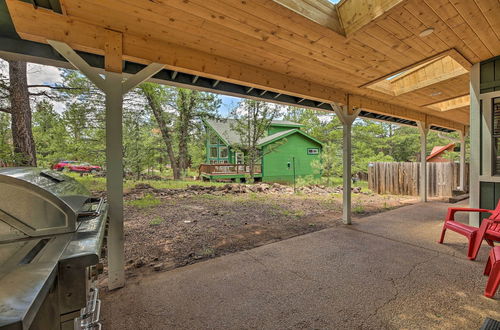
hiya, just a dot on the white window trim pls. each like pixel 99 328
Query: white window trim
pixel 487 137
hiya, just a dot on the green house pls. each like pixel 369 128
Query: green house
pixel 286 153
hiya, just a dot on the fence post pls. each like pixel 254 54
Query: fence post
pixel 424 130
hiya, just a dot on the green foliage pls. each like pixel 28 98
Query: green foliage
pixel 6 154
pixel 252 120
pixel 147 201
pixel 51 137
pixel 156 221
pixel 178 113
pixel 358 209
pixel 372 141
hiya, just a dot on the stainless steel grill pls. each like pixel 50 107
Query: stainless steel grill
pixel 51 238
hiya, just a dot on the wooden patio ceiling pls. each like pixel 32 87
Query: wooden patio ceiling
pixel 310 48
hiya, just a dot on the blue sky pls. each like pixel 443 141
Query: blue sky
pixel 228 103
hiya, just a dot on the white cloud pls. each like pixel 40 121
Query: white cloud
pixel 42 74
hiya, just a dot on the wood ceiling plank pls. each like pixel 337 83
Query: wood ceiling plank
pixel 275 13
pixel 250 55
pixel 379 37
pixel 446 20
pixel 402 16
pixel 260 39
pixel 404 36
pixel 442 33
pixel 471 13
pixel 184 32
pixel 491 10
pixel 350 57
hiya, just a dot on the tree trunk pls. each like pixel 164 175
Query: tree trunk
pixel 185 116
pixel 165 133
pixel 22 135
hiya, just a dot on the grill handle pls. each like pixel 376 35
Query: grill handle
pixel 96 212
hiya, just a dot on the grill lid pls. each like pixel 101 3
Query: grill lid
pixel 36 202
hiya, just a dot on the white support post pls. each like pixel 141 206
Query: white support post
pixel 346 117
pixel 463 135
pixel 114 87
pixel 114 179
pixel 475 138
pixel 424 130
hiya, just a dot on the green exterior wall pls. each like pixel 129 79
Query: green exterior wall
pixel 275 163
pixel 490 75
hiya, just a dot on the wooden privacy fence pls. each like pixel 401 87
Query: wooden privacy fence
pixel 403 178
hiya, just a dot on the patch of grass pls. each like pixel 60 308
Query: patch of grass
pixel 293 213
pixel 145 202
pixel 156 221
pixel 358 209
pixel 206 252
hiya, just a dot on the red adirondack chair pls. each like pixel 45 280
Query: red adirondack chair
pixel 489 229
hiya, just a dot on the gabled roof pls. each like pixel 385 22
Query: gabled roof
pixel 280 135
pixel 276 136
pixel 438 150
pixel 225 130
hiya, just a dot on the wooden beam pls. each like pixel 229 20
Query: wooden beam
pixel 113 49
pixel 385 108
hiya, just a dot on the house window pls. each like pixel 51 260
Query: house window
pixel 496 135
pixel 213 152
pixel 313 151
pixel 214 139
pixel 223 152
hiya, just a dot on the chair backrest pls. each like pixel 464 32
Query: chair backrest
pixel 495 216
pixel 496 213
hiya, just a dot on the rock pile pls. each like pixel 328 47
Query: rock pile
pixel 142 189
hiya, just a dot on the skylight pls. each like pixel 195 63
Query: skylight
pixel 422 75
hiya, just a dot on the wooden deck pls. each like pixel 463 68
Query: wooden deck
pixel 227 170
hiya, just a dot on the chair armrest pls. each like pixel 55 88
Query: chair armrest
pixel 452 210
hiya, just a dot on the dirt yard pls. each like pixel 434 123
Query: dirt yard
pixel 169 228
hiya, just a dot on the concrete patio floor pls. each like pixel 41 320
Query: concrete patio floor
pixel 384 272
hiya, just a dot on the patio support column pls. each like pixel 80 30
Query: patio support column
pixel 423 127
pixel 474 133
pixel 463 135
pixel 346 116
pixel 114 87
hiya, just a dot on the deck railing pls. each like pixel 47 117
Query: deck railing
pixel 227 169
